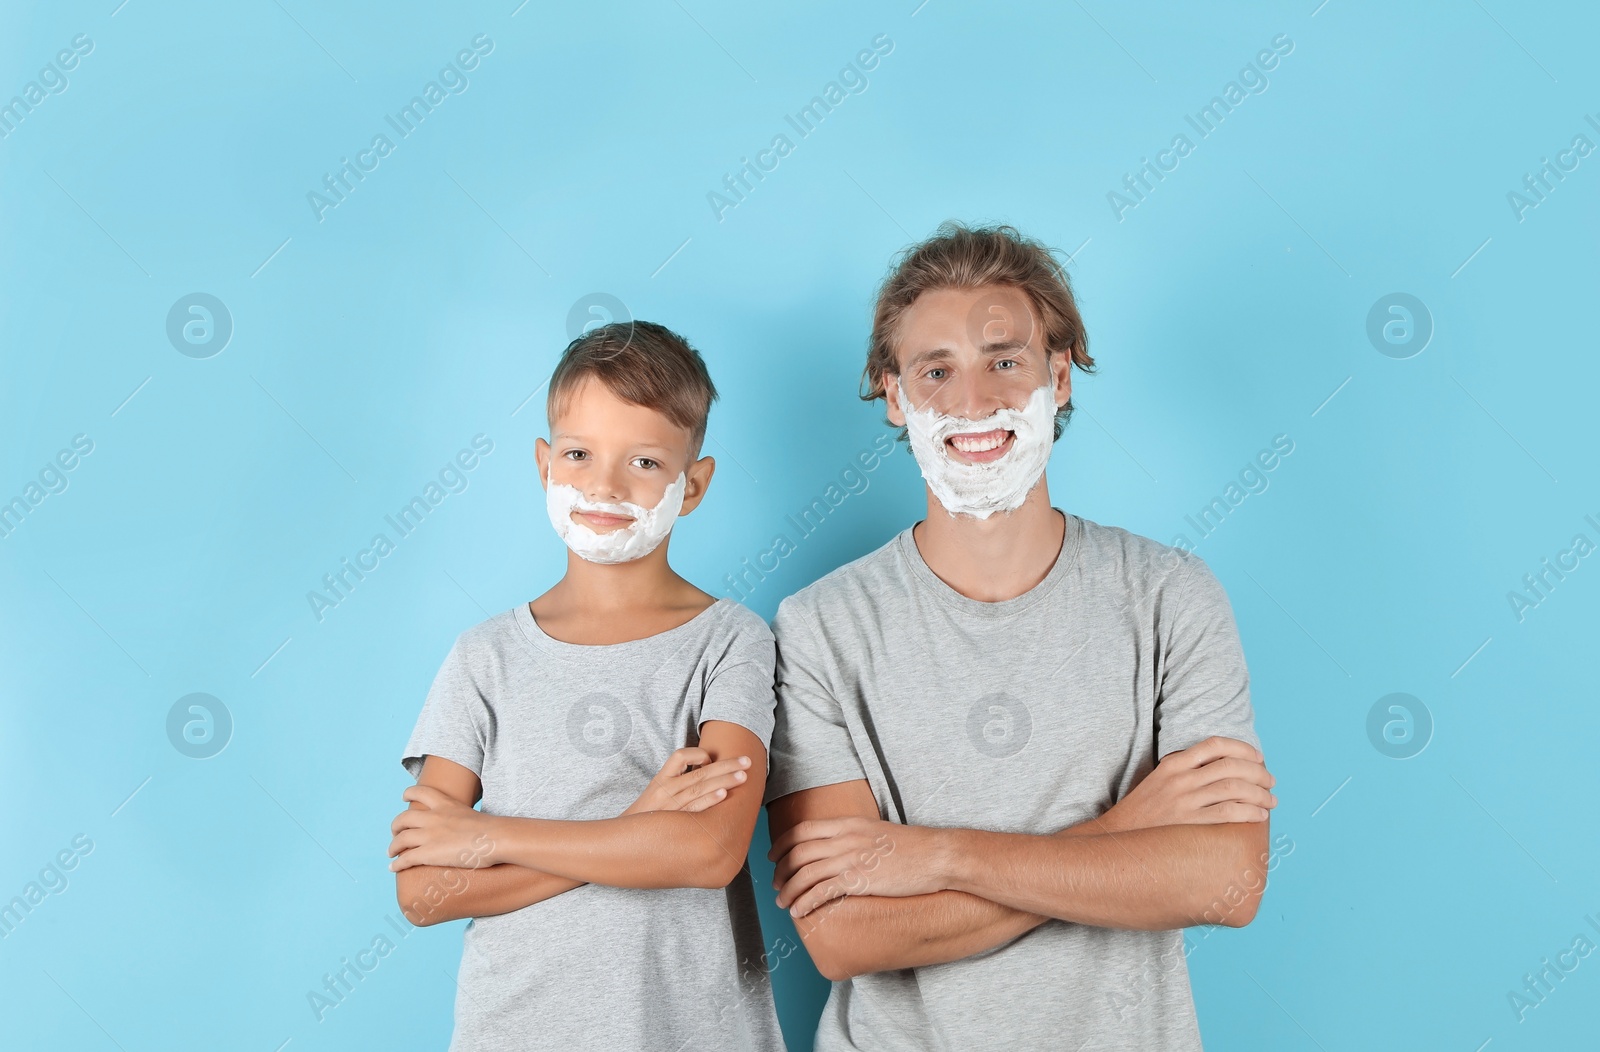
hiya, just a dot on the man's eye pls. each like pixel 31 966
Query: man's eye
pixel 1005 361
pixel 934 374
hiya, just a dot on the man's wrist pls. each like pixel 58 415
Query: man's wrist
pixel 954 855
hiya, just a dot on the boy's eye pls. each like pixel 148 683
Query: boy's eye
pixel 575 454
pixel 646 462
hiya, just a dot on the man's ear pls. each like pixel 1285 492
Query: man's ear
pixel 891 383
pixel 696 481
pixel 541 459
pixel 1061 370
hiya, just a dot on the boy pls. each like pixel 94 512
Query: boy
pixel 611 909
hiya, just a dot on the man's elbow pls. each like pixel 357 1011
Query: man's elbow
pixel 1244 880
pixel 823 934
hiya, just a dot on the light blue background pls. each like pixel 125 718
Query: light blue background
pixel 369 347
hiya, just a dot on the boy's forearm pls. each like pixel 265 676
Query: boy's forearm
pixel 653 849
pixel 434 894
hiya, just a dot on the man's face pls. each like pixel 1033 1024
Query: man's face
pixel 968 352
pixel 614 452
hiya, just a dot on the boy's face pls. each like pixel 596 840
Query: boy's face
pixel 969 352
pixel 616 452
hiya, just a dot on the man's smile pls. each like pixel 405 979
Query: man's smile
pixel 981 447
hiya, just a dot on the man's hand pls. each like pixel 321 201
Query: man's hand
pixel 1218 780
pixel 823 859
pixel 688 781
pixel 443 831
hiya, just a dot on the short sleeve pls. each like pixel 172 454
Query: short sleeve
pixel 739 689
pixel 811 743
pixel 1205 687
pixel 455 718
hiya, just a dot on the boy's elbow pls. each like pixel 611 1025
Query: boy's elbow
pixel 408 892
pixel 717 869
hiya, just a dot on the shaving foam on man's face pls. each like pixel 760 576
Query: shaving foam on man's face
pixel 968 350
pixel 1002 455
pixel 635 531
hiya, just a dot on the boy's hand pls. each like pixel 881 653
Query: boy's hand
pixel 1218 780
pixel 683 785
pixel 442 831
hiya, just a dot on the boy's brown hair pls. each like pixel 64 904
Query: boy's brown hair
pixel 642 363
pixel 962 257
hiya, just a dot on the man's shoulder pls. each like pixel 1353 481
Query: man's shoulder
pixel 1141 563
pixel 857 586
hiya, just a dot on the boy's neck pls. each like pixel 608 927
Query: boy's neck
pixel 997 558
pixel 595 603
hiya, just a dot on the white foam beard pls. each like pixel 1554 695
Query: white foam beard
pixel 639 538
pixel 980 490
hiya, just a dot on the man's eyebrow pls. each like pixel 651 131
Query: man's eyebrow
pixel 994 349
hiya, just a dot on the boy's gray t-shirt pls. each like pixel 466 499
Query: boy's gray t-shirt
pixel 568 731
pixel 1027 715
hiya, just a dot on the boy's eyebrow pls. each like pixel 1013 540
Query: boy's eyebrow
pixel 567 436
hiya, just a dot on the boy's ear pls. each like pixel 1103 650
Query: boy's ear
pixel 696 480
pixel 891 382
pixel 541 459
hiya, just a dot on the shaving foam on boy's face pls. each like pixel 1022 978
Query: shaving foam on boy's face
pixel 634 539
pixel 979 467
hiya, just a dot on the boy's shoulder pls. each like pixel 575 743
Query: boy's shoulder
pixel 741 621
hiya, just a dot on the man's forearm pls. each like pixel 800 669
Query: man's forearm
pixel 858 934
pixel 654 849
pixel 434 894
pixel 1148 879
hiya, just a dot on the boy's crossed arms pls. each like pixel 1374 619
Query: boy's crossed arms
pixel 689 828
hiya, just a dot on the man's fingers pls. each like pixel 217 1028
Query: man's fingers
pixel 808 877
pixel 1237 790
pixel 1232 811
pixel 820 896
pixel 811 829
pixel 1213 748
pixel 1233 767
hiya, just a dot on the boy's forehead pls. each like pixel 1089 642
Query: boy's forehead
pixel 591 412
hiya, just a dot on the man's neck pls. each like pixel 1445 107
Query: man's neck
pixel 997 558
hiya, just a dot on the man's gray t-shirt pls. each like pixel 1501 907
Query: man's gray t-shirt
pixel 1027 715
pixel 566 731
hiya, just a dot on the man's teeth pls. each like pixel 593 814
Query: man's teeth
pixel 979 444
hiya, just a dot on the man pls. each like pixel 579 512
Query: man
pixel 1014 750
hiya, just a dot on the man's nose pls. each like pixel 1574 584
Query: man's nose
pixel 974 395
